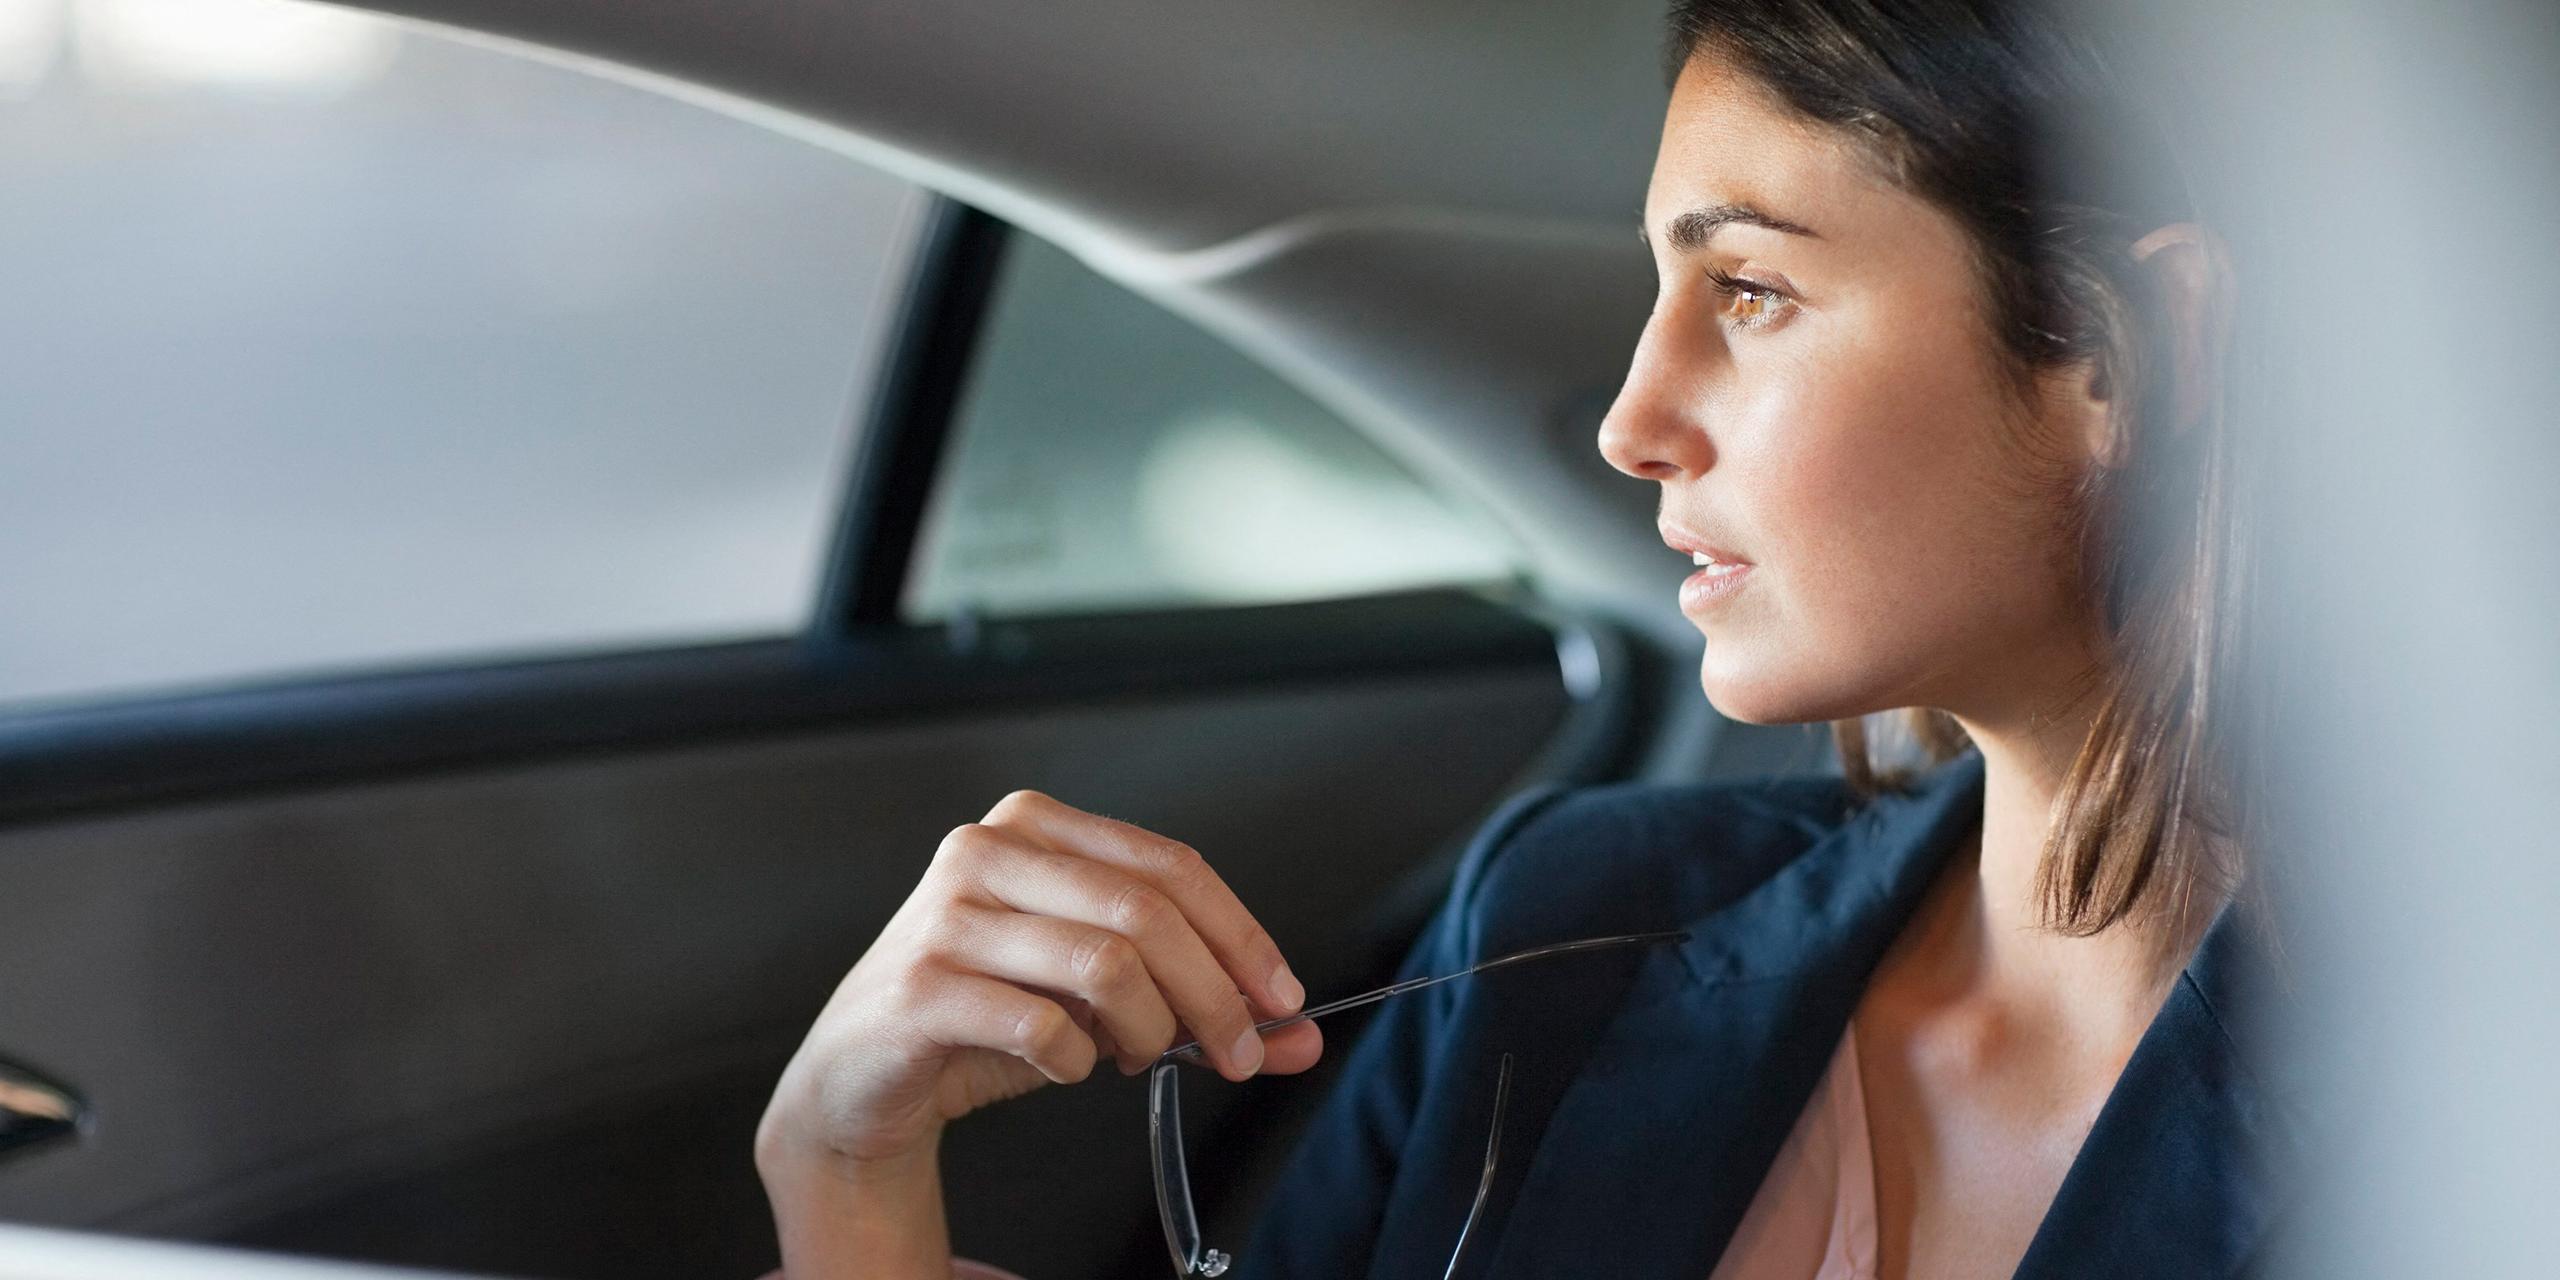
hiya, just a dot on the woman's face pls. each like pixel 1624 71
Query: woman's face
pixel 1819 394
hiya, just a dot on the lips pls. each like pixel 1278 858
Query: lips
pixel 1720 574
pixel 1679 539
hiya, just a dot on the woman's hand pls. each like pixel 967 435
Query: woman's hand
pixel 1040 941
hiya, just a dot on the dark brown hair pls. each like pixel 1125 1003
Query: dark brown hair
pixel 2009 117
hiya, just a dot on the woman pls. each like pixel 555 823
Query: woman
pixel 1915 391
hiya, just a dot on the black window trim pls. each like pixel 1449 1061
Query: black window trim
pixel 908 421
pixel 295 735
pixel 856 662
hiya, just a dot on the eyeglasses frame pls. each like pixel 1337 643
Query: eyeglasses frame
pixel 1174 1207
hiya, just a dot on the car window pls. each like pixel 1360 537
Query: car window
pixel 333 343
pixel 1109 454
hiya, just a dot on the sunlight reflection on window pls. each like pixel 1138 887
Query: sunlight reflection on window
pixel 30 44
pixel 275 45
pixel 1231 510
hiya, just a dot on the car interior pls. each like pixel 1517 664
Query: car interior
pixel 1195 408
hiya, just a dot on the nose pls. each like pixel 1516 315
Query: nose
pixel 1653 430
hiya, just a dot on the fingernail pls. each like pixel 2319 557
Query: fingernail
pixel 1285 989
pixel 1248 1053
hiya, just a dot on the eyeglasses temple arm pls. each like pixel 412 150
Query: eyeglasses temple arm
pixel 1190 1052
pixel 1484 1182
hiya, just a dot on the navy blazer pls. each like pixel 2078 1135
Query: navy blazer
pixel 1652 1087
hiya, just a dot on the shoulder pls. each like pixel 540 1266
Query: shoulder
pixel 1555 861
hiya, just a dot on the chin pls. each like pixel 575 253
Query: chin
pixel 1750 702
pixel 1753 694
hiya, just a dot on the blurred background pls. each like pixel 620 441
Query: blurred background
pixel 345 345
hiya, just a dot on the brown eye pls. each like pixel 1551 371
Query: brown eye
pixel 1751 306
pixel 1745 302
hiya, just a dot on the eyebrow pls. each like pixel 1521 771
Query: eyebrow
pixel 1689 232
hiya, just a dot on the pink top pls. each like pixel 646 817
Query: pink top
pixel 1814 1216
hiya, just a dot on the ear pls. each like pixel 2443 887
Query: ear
pixel 2084 400
pixel 2189 269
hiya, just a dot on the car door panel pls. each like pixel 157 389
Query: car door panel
pixel 511 1018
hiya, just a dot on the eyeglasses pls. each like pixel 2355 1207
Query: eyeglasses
pixel 1164 1107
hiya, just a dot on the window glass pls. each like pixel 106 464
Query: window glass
pixel 332 343
pixel 1108 454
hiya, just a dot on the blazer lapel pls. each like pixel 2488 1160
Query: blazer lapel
pixel 2173 1178
pixel 1646 1162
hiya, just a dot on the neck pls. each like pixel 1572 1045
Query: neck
pixel 1991 909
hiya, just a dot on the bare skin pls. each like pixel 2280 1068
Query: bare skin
pixel 1822 404
pixel 1043 940
pixel 1986 1046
